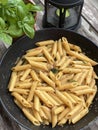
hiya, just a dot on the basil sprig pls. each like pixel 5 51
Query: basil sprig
pixel 16 18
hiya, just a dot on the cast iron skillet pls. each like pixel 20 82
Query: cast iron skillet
pixel 17 50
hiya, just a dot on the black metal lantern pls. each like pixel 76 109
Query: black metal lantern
pixel 63 13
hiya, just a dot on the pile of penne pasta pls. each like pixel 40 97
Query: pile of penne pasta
pixel 54 83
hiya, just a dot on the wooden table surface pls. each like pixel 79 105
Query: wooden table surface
pixel 89 28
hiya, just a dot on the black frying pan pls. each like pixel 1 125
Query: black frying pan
pixel 17 50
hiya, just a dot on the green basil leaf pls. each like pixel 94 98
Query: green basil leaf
pixel 29 19
pixel 15 31
pixel 2 23
pixel 21 12
pixel 7 39
pixel 10 12
pixel 33 8
pixel 29 31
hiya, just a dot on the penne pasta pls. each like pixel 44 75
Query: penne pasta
pixel 54 83
pixel 44 43
pixel 21 67
pixel 59 47
pixel 12 81
pixel 48 56
pixel 22 100
pixel 54 49
pixel 30 117
pixel 37 103
pixel 32 91
pixel 53 118
pixel 47 79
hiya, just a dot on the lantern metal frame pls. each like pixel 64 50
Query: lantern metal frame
pixel 60 21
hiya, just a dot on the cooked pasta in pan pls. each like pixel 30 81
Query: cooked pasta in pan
pixel 54 83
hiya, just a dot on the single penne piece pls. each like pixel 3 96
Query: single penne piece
pixel 35 58
pixel 23 85
pixel 44 43
pixel 65 100
pixel 21 91
pixel 82 57
pixel 30 117
pixel 22 100
pixel 59 47
pixel 75 47
pixel 48 56
pixel 53 118
pixel 65 44
pixel 81 66
pixel 54 49
pixel 81 62
pixel 26 73
pixel 47 112
pixel 85 91
pixel 90 98
pixel 47 79
pixel 34 75
pixel 38 65
pixel 37 103
pixel 81 114
pixel 89 76
pixel 32 91
pixel 46 89
pixel 21 67
pixel 71 70
pixel 12 81
pixel 80 87
pixel 34 52
pixel 43 98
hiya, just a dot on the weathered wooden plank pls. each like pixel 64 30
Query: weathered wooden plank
pixel 90 14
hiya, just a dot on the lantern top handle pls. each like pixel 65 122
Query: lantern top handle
pixel 65 3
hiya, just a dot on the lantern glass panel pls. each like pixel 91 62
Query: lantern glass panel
pixel 63 16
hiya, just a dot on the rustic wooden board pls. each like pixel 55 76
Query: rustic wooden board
pixel 90 14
